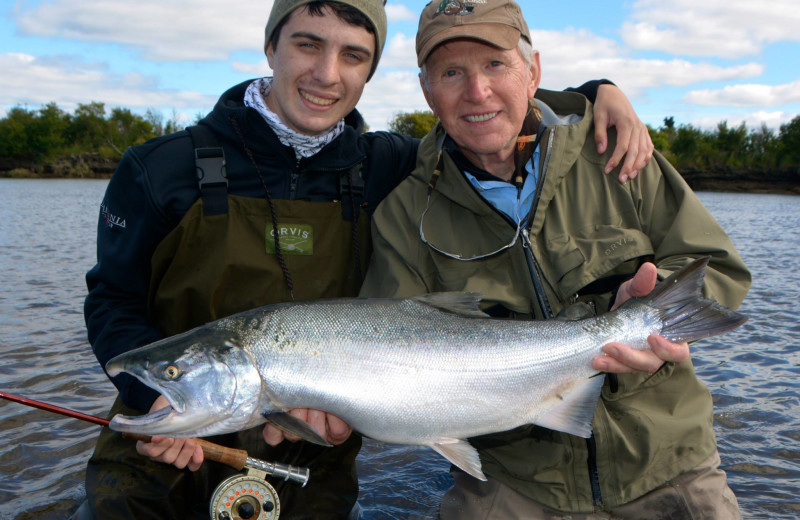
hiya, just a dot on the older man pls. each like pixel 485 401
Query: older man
pixel 505 200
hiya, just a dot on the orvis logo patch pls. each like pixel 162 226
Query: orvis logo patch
pixel 626 241
pixel 295 239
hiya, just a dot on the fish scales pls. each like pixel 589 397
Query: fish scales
pixel 431 370
pixel 306 351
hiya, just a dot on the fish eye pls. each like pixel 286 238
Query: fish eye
pixel 172 372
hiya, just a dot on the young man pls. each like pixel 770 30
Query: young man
pixel 173 254
pixel 505 201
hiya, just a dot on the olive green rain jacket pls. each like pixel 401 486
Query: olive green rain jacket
pixel 587 234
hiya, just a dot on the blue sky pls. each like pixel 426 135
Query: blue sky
pixel 699 61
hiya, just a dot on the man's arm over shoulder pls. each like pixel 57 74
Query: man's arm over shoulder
pixel 390 158
pixel 612 108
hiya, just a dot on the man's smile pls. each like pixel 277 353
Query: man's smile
pixel 316 100
pixel 480 118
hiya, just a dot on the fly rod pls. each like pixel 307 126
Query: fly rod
pixel 237 459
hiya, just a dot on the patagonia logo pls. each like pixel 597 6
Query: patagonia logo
pixel 618 244
pixel 295 239
pixel 111 220
pixel 458 7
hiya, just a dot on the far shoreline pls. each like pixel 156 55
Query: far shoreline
pixel 776 182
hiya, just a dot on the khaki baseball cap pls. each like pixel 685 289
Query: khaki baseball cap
pixel 496 22
pixel 372 9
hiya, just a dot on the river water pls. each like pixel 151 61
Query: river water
pixel 47 234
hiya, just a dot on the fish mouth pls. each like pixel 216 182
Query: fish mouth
pixel 138 423
pixel 155 422
pixel 166 421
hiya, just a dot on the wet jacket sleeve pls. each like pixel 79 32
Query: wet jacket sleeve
pixel 115 309
pixel 390 157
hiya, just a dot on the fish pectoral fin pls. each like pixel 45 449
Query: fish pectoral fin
pixel 294 426
pixel 462 454
pixel 575 411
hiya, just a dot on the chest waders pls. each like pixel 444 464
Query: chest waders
pixel 218 261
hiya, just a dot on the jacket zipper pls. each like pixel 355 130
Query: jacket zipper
pixel 533 269
pixel 530 258
pixel 547 311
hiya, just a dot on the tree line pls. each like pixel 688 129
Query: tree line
pixel 687 146
pixel 49 133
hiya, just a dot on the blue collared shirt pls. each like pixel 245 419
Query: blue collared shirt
pixel 503 195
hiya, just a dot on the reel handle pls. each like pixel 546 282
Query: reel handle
pixel 228 456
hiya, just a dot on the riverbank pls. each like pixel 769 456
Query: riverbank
pixel 82 166
pixel 93 166
pixel 782 181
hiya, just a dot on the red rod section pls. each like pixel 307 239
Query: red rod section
pixel 234 458
pixel 54 408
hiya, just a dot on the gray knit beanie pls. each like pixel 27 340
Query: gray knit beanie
pixel 372 9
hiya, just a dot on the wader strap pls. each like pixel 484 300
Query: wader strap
pixel 351 182
pixel 209 161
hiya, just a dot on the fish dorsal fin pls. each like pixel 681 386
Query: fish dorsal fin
pixel 575 412
pixel 295 426
pixel 460 303
pixel 462 454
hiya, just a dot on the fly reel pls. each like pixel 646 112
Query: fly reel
pixel 245 497
pixel 250 496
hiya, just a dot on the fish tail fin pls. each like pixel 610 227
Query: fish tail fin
pixel 685 313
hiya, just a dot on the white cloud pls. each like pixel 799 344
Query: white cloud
pixel 255 70
pixel 752 120
pixel 747 95
pixel 400 13
pixel 400 51
pixel 723 28
pixel 164 30
pixel 68 81
pixel 389 93
pixel 571 57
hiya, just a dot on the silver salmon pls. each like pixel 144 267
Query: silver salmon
pixel 432 370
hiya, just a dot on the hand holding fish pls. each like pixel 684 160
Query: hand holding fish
pixel 622 359
pixel 180 452
pixel 329 426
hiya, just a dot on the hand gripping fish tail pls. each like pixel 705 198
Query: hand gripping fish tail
pixel 432 370
pixel 686 315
